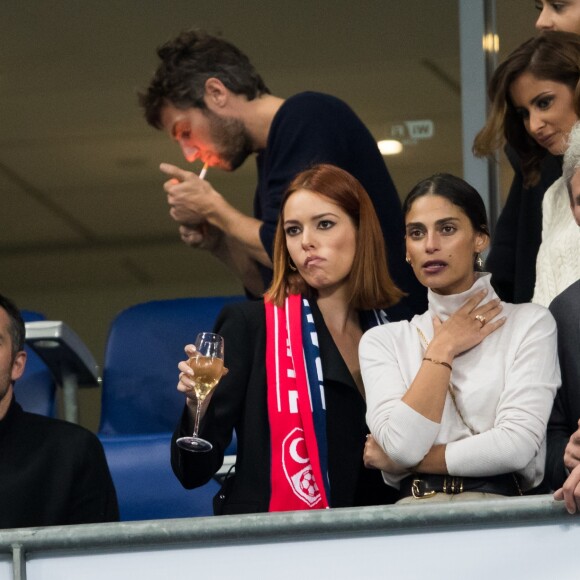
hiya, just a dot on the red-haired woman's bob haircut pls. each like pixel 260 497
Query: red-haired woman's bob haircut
pixel 369 280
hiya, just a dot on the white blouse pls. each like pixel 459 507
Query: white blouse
pixel 558 261
pixel 504 388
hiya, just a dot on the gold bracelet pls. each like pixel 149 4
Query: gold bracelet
pixel 438 362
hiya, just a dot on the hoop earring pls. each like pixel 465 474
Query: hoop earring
pixel 408 260
pixel 291 265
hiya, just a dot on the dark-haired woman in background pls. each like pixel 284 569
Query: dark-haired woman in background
pixel 459 397
pixel 518 232
pixel 535 101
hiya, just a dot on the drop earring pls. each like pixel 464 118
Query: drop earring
pixel 479 261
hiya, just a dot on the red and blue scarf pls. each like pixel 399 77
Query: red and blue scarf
pixel 296 406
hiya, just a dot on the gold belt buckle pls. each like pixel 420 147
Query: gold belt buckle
pixel 417 491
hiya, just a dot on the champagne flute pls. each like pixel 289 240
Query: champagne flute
pixel 208 365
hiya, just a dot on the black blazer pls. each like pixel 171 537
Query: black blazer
pixel 240 403
pixel 566 411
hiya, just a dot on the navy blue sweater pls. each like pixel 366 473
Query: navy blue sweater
pixel 311 128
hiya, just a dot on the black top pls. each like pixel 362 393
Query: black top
pixel 240 403
pixel 52 473
pixel 311 128
pixel 518 233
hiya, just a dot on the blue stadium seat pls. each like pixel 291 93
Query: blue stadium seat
pixel 141 405
pixel 140 372
pixel 146 487
pixel 36 389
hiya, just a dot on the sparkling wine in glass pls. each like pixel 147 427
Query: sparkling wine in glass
pixel 208 365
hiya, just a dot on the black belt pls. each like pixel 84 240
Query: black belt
pixel 422 485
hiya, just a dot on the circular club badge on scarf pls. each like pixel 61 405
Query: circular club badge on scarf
pixel 297 468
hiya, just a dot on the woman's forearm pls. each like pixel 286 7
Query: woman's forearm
pixel 434 461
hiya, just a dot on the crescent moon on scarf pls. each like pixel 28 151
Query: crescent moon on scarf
pixel 294 451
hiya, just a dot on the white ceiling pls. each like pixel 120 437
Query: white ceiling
pixel 81 203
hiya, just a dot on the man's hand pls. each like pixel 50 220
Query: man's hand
pixel 209 222
pixel 190 198
pixel 572 451
pixel 203 236
pixel 570 491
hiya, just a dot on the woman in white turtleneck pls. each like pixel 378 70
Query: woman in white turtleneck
pixel 458 398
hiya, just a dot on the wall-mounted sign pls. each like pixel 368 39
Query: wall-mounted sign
pixel 410 132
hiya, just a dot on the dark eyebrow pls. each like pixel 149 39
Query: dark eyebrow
pixel 326 213
pixel 314 217
pixel 437 223
pixel 534 101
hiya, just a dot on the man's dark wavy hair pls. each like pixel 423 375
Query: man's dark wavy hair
pixel 186 63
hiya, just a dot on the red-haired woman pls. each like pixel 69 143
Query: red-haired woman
pixel 294 393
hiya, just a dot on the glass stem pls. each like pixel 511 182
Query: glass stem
pixel 197 417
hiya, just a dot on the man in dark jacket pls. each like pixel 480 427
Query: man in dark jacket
pixel 51 472
pixel 563 452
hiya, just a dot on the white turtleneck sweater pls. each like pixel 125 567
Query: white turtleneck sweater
pixel 504 388
pixel 558 261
